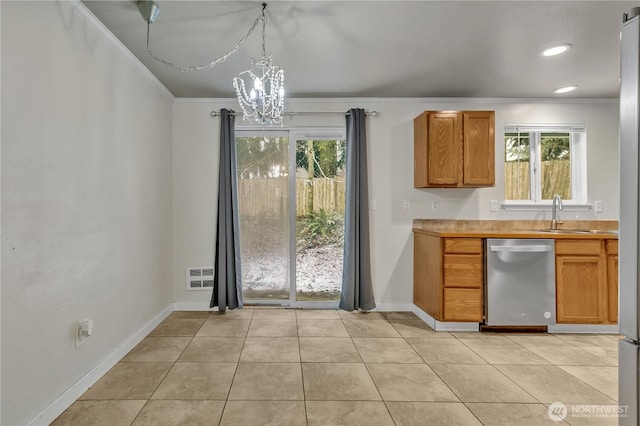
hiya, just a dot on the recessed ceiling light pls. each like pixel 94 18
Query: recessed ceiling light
pixel 565 89
pixel 556 50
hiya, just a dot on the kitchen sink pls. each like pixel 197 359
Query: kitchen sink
pixel 579 231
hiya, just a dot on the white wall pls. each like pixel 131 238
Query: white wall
pixel 86 200
pixel 390 144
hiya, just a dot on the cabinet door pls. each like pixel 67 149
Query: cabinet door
pixel 462 304
pixel 444 148
pixel 580 290
pixel 479 149
pixel 612 287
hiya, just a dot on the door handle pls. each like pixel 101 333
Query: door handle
pixel 523 249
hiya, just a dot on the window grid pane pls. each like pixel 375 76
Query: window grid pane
pixel 555 165
pixel 517 174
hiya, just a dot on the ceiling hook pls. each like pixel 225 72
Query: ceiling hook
pixel 149 10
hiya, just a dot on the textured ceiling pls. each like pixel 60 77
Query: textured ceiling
pixel 384 48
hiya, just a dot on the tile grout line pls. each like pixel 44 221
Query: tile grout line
pixel 224 407
pixel 304 394
pixel 169 370
pixel 374 382
pixel 511 339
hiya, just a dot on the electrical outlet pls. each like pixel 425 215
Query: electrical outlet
pixel 406 205
pixel 598 206
pixel 434 205
pixel 373 204
pixel 494 206
pixel 83 330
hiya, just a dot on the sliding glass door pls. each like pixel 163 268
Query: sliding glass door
pixel 319 215
pixel 263 206
pixel 291 195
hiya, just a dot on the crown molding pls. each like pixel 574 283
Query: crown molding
pixel 316 101
pixel 144 71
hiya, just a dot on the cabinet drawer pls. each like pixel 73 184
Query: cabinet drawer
pixel 573 247
pixel 611 246
pixel 462 304
pixel 462 270
pixel 463 245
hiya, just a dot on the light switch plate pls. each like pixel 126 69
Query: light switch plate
pixel 599 207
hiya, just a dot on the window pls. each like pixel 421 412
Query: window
pixel 542 161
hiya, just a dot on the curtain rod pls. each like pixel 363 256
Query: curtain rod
pixel 291 114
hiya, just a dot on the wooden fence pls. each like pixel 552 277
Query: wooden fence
pixel 556 179
pixel 268 197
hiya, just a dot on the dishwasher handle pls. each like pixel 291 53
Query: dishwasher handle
pixel 521 249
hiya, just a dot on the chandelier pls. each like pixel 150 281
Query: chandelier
pixel 264 103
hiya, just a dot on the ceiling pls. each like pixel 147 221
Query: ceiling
pixel 384 49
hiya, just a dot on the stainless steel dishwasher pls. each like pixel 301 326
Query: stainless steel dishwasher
pixel 521 282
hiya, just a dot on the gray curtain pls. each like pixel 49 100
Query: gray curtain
pixel 227 282
pixel 357 288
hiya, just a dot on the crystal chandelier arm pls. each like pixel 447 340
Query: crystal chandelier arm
pixel 219 60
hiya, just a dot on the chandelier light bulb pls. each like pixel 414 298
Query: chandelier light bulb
pixel 264 104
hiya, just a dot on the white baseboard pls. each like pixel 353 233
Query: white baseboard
pixel 393 307
pixel 431 322
pixel 193 306
pixel 64 401
pixel 584 328
pixel 380 307
pixel 444 326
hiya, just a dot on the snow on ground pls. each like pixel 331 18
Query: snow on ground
pixel 317 270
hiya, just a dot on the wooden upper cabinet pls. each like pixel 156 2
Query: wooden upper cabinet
pixel 454 149
pixel 444 150
pixel 479 149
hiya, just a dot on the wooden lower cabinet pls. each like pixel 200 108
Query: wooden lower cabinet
pixel 449 273
pixel 586 281
pixel 462 304
pixel 580 290
pixel 448 276
pixel 611 247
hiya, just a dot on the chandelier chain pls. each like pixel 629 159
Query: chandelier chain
pixel 264 31
pixel 221 59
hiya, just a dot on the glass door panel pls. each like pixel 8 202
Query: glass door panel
pixel 263 205
pixel 319 211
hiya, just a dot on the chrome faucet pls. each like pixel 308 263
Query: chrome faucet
pixel 556 203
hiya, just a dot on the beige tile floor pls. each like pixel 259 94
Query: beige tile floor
pixel 305 367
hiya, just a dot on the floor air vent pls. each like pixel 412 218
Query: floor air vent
pixel 199 278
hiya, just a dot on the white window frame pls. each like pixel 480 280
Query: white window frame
pixel 578 164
